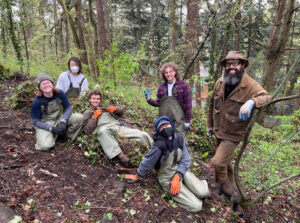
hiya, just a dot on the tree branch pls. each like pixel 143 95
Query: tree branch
pixel 290 72
pixel 282 99
pixel 245 204
pixel 246 34
pixel 273 154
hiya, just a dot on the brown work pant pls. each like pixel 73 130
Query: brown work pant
pixel 222 161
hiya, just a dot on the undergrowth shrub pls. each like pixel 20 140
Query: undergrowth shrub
pixel 262 143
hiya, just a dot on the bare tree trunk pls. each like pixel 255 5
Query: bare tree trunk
pixel 13 37
pixel 250 34
pixel 103 43
pixel 173 26
pixel 236 29
pixel 139 21
pixel 61 36
pixel 23 23
pixel 68 36
pixel 108 21
pixel 82 46
pixel 55 27
pixel 91 53
pixel 278 39
pixel 180 19
pixel 94 25
pixel 133 21
pixel 294 78
pixel 192 34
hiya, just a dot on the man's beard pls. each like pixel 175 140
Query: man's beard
pixel 233 79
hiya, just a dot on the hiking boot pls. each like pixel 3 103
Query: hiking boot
pixel 123 158
pixel 227 188
pixel 216 188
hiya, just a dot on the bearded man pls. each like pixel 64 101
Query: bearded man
pixel 233 98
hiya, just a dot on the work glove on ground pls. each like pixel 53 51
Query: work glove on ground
pixel 62 126
pixel 111 109
pixel 186 127
pixel 131 178
pixel 245 110
pixel 175 184
pixel 97 113
pixel 147 93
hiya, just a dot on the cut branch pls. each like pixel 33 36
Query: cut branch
pixel 269 188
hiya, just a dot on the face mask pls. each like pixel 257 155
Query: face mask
pixel 167 133
pixel 74 69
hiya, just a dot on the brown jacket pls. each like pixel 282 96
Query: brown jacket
pixel 90 123
pixel 223 115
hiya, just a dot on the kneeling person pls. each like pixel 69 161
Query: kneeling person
pixel 170 157
pixel 48 117
pixel 105 122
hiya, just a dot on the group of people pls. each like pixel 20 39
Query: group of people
pixel 234 96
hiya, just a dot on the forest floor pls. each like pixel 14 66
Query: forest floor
pixel 63 185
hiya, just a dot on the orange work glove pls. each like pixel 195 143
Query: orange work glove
pixel 132 178
pixel 175 184
pixel 111 109
pixel 97 113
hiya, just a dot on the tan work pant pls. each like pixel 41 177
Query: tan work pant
pixel 109 144
pixel 222 161
pixel 45 140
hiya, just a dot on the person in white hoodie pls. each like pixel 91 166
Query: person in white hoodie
pixel 72 82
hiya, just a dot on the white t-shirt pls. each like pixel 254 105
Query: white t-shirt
pixel 63 82
pixel 170 88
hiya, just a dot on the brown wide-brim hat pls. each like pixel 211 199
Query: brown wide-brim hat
pixel 234 55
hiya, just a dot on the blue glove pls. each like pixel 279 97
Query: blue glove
pixel 147 93
pixel 186 127
pixel 245 110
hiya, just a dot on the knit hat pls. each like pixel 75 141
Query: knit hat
pixel 42 77
pixel 234 55
pixel 161 122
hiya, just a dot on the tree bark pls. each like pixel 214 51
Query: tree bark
pixel 236 29
pixel 173 26
pixel 102 41
pixel 133 21
pixel 82 45
pixel 192 34
pixel 13 37
pixel 277 41
pixel 94 25
pixel 68 36
pixel 55 27
pixel 61 36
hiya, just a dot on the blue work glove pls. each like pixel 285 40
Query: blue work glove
pixel 245 110
pixel 186 127
pixel 147 93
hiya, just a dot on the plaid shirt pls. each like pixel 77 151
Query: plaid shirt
pixel 182 94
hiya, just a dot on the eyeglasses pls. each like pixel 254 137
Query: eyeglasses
pixel 235 63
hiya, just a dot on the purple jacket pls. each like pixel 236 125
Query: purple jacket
pixel 182 92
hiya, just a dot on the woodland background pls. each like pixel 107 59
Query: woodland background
pixel 122 44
